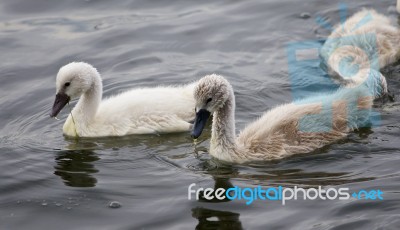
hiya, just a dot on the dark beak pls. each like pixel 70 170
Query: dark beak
pixel 200 122
pixel 61 100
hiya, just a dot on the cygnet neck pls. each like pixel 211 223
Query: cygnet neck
pixel 88 104
pixel 223 126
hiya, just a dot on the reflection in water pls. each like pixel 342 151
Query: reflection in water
pixel 76 167
pixel 214 219
pixel 292 177
pixel 219 183
pixel 272 174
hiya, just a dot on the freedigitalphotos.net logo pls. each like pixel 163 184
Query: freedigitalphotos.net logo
pixel 307 78
pixel 280 194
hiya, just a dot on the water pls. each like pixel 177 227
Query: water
pixel 48 181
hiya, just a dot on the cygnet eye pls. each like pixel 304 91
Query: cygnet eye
pixel 208 100
pixel 67 84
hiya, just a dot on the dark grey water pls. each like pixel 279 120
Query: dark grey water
pixel 50 182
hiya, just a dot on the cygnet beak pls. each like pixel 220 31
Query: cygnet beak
pixel 61 100
pixel 200 122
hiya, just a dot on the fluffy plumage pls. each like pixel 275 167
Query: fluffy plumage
pixel 138 111
pixel 355 43
pixel 293 128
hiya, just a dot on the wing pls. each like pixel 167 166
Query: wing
pixel 297 128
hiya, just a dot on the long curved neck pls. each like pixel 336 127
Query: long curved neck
pixel 86 108
pixel 223 129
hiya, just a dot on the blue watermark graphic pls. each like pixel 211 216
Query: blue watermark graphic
pixel 311 75
pixel 282 194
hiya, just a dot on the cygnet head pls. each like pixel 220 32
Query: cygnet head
pixel 210 94
pixel 73 80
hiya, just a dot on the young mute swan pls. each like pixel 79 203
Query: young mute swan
pixel 365 40
pixel 287 129
pixel 138 111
